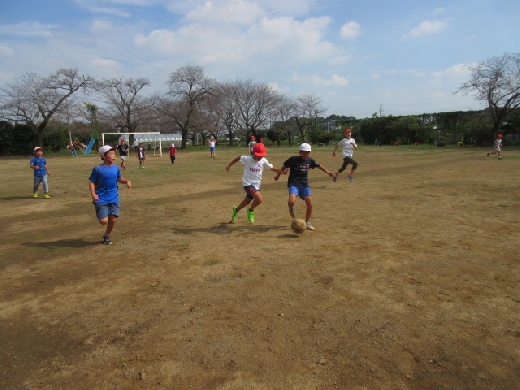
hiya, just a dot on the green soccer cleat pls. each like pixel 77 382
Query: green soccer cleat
pixel 250 216
pixel 35 195
pixel 234 214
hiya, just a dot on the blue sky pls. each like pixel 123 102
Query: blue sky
pixel 403 57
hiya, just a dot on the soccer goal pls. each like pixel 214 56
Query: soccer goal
pixel 152 141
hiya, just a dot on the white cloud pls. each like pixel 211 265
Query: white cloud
pixel 425 28
pixel 29 28
pixel 270 7
pixel 282 38
pixel 339 60
pixel 100 26
pixel 234 11
pixel 5 51
pixel 317 81
pixel 104 63
pixel 350 30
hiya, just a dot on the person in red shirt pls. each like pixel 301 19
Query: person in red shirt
pixel 173 149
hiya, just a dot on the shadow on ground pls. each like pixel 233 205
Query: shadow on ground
pixel 66 243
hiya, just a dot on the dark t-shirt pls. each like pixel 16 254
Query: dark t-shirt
pixel 299 169
pixel 123 149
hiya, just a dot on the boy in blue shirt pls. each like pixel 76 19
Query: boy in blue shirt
pixel 39 164
pixel 104 191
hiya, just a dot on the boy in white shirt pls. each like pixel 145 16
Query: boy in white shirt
pixel 497 147
pixel 348 145
pixel 251 179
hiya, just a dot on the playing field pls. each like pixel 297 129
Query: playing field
pixel 411 279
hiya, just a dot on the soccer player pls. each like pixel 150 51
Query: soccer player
pixel 123 148
pixel 348 145
pixel 251 179
pixel 298 182
pixel 497 147
pixel 103 190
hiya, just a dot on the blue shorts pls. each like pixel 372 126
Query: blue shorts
pixel 212 149
pixel 251 191
pixel 302 192
pixel 104 210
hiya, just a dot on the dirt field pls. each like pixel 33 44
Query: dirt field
pixel 410 281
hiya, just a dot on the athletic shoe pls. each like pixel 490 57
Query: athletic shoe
pixel 488 154
pixel 35 195
pixel 309 226
pixel 350 178
pixel 106 240
pixel 47 196
pixel 291 212
pixel 500 158
pixel 250 216
pixel 234 214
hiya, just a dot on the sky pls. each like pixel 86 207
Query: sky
pixel 401 57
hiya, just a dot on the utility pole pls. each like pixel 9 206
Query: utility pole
pixel 380 110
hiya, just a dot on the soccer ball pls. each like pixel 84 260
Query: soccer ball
pixel 298 226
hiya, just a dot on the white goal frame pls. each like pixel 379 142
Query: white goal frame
pixel 154 134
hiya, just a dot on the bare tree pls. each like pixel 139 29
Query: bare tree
pixel 222 104
pixel 496 81
pixel 287 110
pixel 308 109
pixel 255 105
pixel 34 100
pixel 188 88
pixel 125 109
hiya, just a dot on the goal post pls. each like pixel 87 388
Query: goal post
pixel 153 138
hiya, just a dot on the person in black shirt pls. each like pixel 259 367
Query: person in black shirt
pixel 298 183
pixel 123 152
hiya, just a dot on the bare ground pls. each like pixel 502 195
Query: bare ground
pixel 411 280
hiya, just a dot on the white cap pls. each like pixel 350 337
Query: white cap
pixel 173 145
pixel 36 148
pixel 104 149
pixel 305 147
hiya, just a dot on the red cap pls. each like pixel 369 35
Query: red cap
pixel 347 131
pixel 259 150
pixel 499 136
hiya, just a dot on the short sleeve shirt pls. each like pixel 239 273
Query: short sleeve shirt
pixel 40 162
pixel 105 178
pixel 253 170
pixel 347 147
pixel 299 170
pixel 123 149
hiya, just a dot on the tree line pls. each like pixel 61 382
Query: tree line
pixel 42 110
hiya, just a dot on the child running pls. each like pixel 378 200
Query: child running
pixel 103 190
pixel 251 179
pixel 123 148
pixel 497 147
pixel 348 145
pixel 298 182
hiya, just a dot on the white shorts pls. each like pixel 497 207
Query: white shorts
pixel 123 158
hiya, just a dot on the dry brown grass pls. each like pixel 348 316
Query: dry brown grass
pixel 410 281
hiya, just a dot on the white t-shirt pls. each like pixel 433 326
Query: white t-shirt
pixel 498 145
pixel 253 170
pixel 347 147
